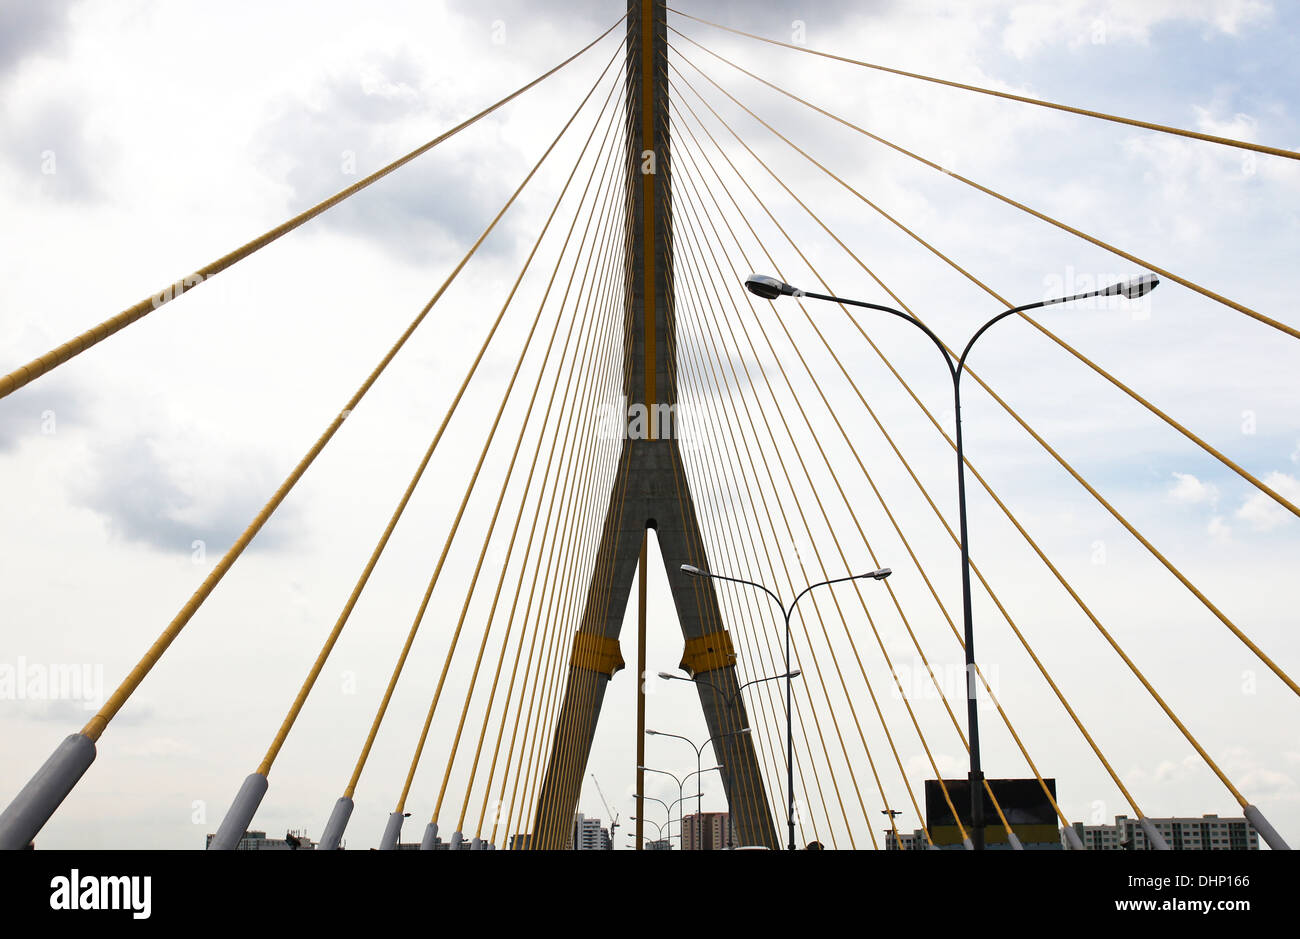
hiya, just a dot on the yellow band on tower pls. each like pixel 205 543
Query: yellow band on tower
pixel 708 652
pixel 596 653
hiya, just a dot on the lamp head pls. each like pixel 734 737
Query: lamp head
pixel 1134 287
pixel 769 288
pixel 691 570
pixel 880 574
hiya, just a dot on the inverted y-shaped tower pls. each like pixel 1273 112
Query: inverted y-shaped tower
pixel 650 489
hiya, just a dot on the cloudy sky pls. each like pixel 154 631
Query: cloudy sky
pixel 142 140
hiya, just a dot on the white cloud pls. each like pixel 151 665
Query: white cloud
pixel 1239 127
pixel 1219 529
pixel 1261 512
pixel 1191 491
pixel 1076 22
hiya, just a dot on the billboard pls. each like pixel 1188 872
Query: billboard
pixel 1024 803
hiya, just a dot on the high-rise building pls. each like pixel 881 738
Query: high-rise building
pixel 1207 833
pixel 708 831
pixel 587 835
pixel 905 842
pixel 663 844
pixel 257 841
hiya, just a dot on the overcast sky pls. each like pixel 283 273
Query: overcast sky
pixel 142 140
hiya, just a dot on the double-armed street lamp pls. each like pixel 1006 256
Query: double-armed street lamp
pixel 731 698
pixel 699 783
pixel 787 612
pixel 667 808
pixel 681 798
pixel 770 288
pixel 658 827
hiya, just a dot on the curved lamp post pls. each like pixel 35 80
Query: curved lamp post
pixel 731 698
pixel 770 288
pixel 699 754
pixel 880 574
pixel 667 809
pixel 680 799
pixel 658 827
pixel 681 783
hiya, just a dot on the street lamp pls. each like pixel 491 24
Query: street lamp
pixel 667 809
pixel 731 698
pixel 699 751
pixel 770 288
pixel 880 574
pixel 658 827
pixel 680 798
pixel 681 783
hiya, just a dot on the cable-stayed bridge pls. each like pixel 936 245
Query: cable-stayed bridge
pixel 650 392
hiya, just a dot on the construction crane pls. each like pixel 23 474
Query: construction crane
pixel 613 825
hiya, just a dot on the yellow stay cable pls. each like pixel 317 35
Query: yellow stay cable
pixel 858 525
pixel 853 449
pixel 543 685
pixel 750 601
pixel 469 590
pixel 697 556
pixel 546 626
pixel 1008 96
pixel 870 621
pixel 563 481
pixel 1152 408
pixel 572 699
pixel 433 580
pixel 330 642
pixel 740 620
pixel 922 488
pixel 699 303
pixel 1050 681
pixel 589 340
pixel 875 702
pixel 97 724
pixel 817 666
pixel 549 726
pixel 580 352
pixel 1240 308
pixel 530 675
pixel 1144 541
pixel 728 425
pixel 55 357
pixel 702 304
pixel 568 692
